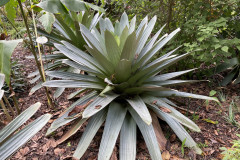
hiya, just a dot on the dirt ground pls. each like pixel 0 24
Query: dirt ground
pixel 216 131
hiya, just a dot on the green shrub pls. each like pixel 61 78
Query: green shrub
pixel 232 153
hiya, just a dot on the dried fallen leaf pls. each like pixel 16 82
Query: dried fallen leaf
pixel 176 158
pixel 24 151
pixel 172 138
pixel 166 155
pixel 80 108
pixel 58 151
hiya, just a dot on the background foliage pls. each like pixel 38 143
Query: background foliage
pixel 210 26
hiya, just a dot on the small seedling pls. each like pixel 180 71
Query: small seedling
pixel 231 116
pixel 183 145
pixel 232 153
pixel 202 145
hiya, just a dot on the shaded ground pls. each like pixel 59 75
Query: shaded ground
pixel 216 130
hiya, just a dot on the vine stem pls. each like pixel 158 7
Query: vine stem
pixel 50 103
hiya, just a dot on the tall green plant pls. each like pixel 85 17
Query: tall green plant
pixel 67 28
pixel 122 86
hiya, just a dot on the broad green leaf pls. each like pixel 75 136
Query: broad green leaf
pixel 52 6
pixel 74 5
pixel 10 9
pixel 139 106
pixel 148 135
pixel 128 138
pixel 112 48
pixel 3 2
pixel 212 93
pixel 63 118
pixel 98 104
pixel 123 70
pixel 94 7
pixel 90 131
pixel 123 38
pixel 129 48
pixel 6 50
pixel 114 121
pixel 224 48
pixel 18 121
pixel 47 21
pixel 103 61
pixel 72 84
pixel 21 137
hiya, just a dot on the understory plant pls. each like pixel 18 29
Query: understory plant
pixel 11 139
pixel 233 75
pixel 64 26
pixel 123 87
pixel 232 153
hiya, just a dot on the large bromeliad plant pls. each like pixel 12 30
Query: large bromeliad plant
pixel 123 88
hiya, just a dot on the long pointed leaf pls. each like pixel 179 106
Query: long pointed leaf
pixel 114 121
pixel 63 118
pixel 72 84
pixel 20 138
pixel 154 102
pixel 128 137
pixel 148 135
pixel 98 104
pixel 139 106
pixel 18 121
pixel 180 131
pixel 92 127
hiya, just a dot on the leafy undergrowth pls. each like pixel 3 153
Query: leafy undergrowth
pixel 214 121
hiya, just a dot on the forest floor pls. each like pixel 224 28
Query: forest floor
pixel 216 130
